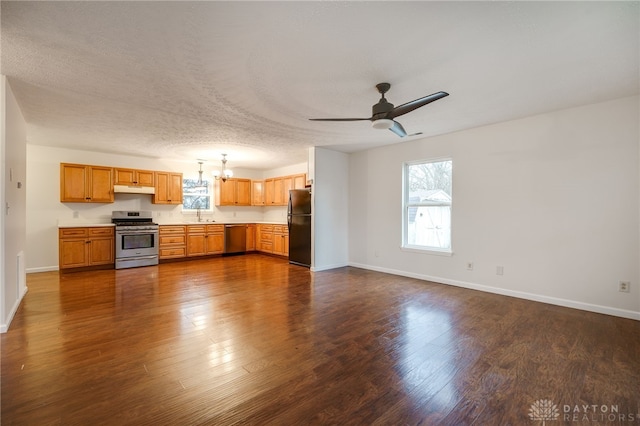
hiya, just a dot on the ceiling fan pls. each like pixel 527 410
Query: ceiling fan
pixel 384 113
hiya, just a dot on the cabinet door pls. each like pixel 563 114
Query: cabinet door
pixel 269 192
pixel 226 195
pixel 278 192
pixel 278 243
pixel 196 244
pixel 215 243
pixel 101 184
pixel 299 181
pixel 168 188
pixel 251 238
pixel 175 188
pixel 243 192
pixel 145 178
pixel 124 176
pixel 287 185
pixel 257 193
pixel 74 252
pixel 73 183
pixel 161 195
pixel 101 251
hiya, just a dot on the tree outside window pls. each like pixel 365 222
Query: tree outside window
pixel 196 195
pixel 427 205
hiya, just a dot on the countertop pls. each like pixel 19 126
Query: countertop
pixel 83 224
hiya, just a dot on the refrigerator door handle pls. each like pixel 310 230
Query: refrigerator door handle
pixel 289 222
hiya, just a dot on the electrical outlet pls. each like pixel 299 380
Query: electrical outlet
pixel 469 266
pixel 499 270
pixel 624 286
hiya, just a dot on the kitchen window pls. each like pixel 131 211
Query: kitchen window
pixel 196 195
pixel 427 206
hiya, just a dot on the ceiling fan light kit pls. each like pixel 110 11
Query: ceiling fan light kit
pixel 382 123
pixel 383 113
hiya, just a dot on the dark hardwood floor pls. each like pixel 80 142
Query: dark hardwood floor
pixel 253 340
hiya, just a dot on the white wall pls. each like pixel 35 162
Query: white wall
pixel 553 198
pixel 46 212
pixel 330 220
pixel 13 184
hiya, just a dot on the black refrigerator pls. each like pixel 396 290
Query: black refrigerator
pixel 299 223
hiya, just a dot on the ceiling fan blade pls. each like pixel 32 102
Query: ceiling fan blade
pixel 410 106
pixel 398 129
pixel 339 119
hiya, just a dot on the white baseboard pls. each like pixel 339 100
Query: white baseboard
pixel 327 267
pixel 5 326
pixel 42 269
pixel 519 294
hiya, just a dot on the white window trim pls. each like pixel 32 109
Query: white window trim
pixel 404 246
pixel 210 193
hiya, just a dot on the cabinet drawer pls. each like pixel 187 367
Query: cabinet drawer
pixel 197 229
pixel 103 231
pixel 266 228
pixel 266 237
pixel 166 253
pixel 280 229
pixel 215 229
pixel 166 240
pixel 73 232
pixel 170 229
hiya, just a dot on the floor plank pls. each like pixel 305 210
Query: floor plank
pixel 253 340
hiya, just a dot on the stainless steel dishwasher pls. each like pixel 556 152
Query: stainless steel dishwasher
pixel 235 238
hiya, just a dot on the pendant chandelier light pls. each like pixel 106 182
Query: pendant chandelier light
pixel 225 173
pixel 200 172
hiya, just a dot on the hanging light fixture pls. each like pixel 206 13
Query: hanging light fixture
pixel 200 173
pixel 225 173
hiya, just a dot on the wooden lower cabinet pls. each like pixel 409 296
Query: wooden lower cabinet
pixel 205 239
pixel 173 241
pixel 280 240
pixel 251 237
pixel 273 239
pixel 85 246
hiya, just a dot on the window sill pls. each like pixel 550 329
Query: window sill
pixel 430 251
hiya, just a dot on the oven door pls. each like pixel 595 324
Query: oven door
pixel 133 243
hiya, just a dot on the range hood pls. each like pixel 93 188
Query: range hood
pixel 126 189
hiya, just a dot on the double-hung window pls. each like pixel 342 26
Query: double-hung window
pixel 196 195
pixel 427 205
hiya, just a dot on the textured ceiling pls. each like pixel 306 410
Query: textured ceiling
pixel 188 80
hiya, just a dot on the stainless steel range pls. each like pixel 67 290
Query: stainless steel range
pixel 136 239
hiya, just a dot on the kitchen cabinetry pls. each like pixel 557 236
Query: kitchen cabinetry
pixel 81 183
pixel 251 237
pixel 276 190
pixel 90 246
pixel 168 188
pixel 173 241
pixel 205 239
pixel 273 239
pixel 233 192
pixel 257 193
pixel 131 177
pixel 280 240
pixel 299 181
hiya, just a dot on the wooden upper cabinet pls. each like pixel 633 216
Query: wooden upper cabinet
pixel 233 192
pixel 132 177
pixel 168 188
pixel 257 193
pixel 299 181
pixel 81 183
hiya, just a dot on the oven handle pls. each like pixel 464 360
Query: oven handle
pixel 148 231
